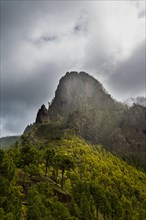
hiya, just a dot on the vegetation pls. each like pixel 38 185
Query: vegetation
pixel 68 179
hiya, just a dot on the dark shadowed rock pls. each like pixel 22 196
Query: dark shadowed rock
pixel 131 135
pixel 42 115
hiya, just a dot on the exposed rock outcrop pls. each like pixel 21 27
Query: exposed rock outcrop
pixel 42 115
pixel 78 91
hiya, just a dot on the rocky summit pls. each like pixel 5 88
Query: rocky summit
pixel 82 105
pixel 77 91
pixel 42 115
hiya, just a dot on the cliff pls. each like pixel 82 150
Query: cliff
pixel 77 91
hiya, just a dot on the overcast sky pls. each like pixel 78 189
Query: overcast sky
pixel 42 40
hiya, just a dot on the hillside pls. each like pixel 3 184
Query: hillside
pixel 6 142
pixel 68 164
pixel 83 105
pixel 67 178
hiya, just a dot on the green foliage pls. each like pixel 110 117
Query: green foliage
pixel 9 196
pixel 59 211
pixel 9 216
pixel 107 180
pixel 42 205
pixel 37 209
pixel 1 213
pixel 48 155
pixel 87 207
pixel 29 155
pixel 7 167
pixel 100 185
pixel 63 162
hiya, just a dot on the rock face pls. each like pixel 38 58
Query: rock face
pixel 130 137
pixel 42 115
pixel 77 91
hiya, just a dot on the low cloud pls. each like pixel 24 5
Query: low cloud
pixel 128 78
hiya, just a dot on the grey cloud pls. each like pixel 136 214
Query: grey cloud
pixel 141 8
pixel 21 100
pixel 128 78
pixel 23 92
pixel 15 127
pixel 98 56
pixel 142 14
pixel 31 70
pixel 48 38
pixel 32 91
pixel 136 3
pixel 81 24
pixel 40 41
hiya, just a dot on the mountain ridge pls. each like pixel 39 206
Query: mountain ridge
pixel 83 105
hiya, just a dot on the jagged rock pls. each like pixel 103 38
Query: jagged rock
pixel 77 91
pixel 42 115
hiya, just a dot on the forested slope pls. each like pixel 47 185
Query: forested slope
pixel 67 178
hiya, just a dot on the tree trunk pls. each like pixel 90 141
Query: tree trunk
pixel 46 167
pixel 97 211
pixel 46 170
pixel 104 216
pixel 62 181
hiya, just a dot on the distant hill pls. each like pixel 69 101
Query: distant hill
pixel 6 142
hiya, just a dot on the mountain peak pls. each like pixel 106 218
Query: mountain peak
pixel 82 105
pixel 77 90
pixel 42 115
